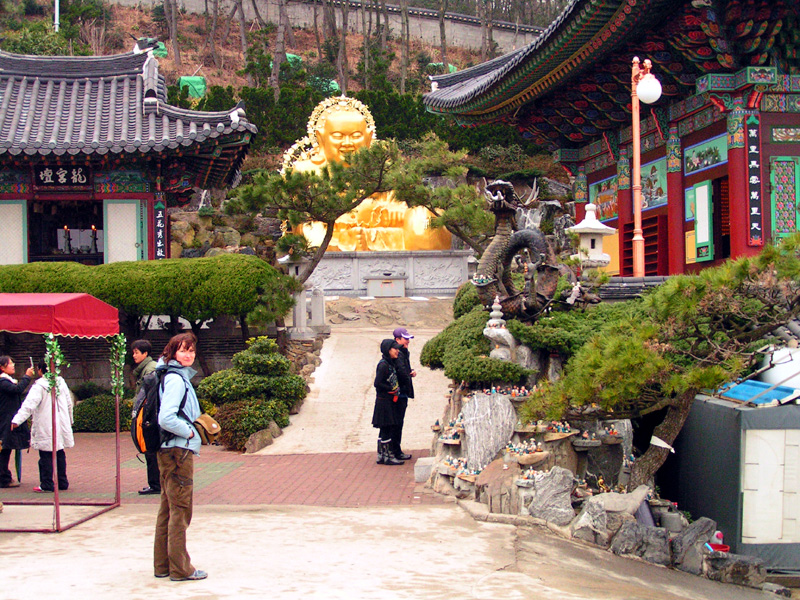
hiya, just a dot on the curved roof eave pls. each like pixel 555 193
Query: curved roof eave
pixel 586 31
pixel 488 73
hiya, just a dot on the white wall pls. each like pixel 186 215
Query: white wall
pixel 771 486
pixel 14 235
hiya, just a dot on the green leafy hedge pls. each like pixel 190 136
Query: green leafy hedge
pixel 232 385
pixel 198 289
pixel 241 419
pixel 481 371
pixel 464 332
pixel 258 389
pixel 566 332
pixel 462 351
pixel 96 414
pixel 466 299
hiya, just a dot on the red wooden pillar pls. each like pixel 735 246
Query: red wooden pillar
pixel 624 210
pixel 739 186
pixel 676 239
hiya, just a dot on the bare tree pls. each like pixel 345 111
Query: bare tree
pixel 260 20
pixel 279 56
pixel 243 38
pixel 316 31
pixel 229 21
pixel 483 16
pixel 341 59
pixel 405 36
pixel 365 34
pixel 385 30
pixel 94 34
pixel 329 29
pixel 443 33
pixel 288 32
pixel 171 15
pixel 211 39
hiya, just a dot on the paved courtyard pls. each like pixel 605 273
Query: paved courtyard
pixel 313 516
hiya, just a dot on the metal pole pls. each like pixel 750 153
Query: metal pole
pixel 118 495
pixel 57 18
pixel 638 238
pixel 56 504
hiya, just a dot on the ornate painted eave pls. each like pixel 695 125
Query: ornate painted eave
pixel 85 106
pixel 572 85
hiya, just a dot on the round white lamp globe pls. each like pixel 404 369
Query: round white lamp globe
pixel 648 89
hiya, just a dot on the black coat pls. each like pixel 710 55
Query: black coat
pixel 403 367
pixel 10 401
pixel 386 413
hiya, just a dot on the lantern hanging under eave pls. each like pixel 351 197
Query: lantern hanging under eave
pixel 590 240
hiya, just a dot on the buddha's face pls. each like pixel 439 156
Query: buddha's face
pixel 344 132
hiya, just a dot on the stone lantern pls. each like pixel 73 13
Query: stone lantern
pixel 299 329
pixel 590 245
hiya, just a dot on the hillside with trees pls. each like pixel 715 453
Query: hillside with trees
pixel 386 70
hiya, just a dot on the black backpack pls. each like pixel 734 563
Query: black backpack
pixel 146 432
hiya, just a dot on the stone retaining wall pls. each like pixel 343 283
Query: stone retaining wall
pixel 423 273
pixel 461 31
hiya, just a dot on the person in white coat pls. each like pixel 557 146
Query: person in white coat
pixel 38 403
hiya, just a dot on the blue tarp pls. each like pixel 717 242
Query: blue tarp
pixel 759 393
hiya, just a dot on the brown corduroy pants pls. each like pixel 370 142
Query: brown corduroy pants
pixel 175 513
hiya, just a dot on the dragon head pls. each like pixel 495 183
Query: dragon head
pixel 500 196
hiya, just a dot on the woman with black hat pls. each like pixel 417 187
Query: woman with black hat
pixel 385 417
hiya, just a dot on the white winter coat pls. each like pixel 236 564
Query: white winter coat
pixel 37 403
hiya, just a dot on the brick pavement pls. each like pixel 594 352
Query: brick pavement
pixel 229 478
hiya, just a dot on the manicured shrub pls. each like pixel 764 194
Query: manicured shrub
pixel 96 414
pixel 466 299
pixel 232 385
pixel 239 420
pixel 462 350
pixel 85 390
pixel 462 364
pixel 197 289
pixel 464 332
pixel 258 389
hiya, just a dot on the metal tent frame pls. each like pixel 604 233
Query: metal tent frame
pixel 71 315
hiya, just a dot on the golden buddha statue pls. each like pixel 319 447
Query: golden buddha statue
pixel 339 126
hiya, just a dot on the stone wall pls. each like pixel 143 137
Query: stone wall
pixel 461 31
pixel 195 236
pixel 418 273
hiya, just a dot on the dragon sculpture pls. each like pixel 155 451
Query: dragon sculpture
pixel 492 278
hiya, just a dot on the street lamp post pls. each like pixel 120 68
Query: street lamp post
pixel 644 87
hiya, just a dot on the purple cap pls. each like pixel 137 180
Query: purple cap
pixel 403 333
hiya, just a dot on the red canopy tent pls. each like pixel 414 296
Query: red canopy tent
pixel 71 315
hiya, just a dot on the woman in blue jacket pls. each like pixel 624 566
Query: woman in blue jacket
pixel 180 442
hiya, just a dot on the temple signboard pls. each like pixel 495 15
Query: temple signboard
pixel 61 178
pixel 754 181
pixel 160 227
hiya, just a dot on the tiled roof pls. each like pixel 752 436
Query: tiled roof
pixel 572 85
pixel 459 88
pixel 100 104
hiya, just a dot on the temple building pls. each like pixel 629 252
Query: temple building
pixel 720 150
pixel 91 156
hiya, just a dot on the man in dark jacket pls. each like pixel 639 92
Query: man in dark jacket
pixel 145 365
pixel 405 375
